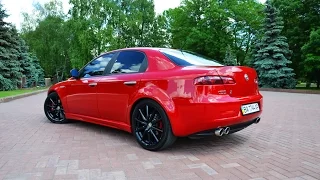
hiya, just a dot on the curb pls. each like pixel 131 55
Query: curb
pixel 11 98
pixel 299 91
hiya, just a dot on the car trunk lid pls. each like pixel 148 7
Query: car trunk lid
pixel 246 82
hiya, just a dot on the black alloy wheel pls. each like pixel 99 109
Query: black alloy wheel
pixel 53 109
pixel 151 126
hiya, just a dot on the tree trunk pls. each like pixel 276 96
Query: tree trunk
pixel 308 84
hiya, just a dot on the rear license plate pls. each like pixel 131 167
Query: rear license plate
pixel 250 108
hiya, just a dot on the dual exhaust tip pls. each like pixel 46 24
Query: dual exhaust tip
pixel 222 131
pixel 225 130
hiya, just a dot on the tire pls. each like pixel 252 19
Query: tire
pixel 53 109
pixel 151 126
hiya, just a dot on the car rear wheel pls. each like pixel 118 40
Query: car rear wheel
pixel 53 109
pixel 151 126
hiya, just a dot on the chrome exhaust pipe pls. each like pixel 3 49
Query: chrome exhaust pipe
pixel 257 120
pixel 219 132
pixel 226 130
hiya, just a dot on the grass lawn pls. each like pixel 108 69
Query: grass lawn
pixel 313 85
pixel 303 86
pixel 19 91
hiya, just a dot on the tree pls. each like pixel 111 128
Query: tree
pixel 158 33
pixel 230 59
pixel 92 27
pixel 10 72
pixel 209 26
pixel 26 65
pixel 246 17
pixel 200 26
pixel 30 66
pixel 300 17
pixel 311 54
pixel 38 71
pixel 272 58
pixel 5 83
pixel 255 47
pixel 49 38
pixel 89 29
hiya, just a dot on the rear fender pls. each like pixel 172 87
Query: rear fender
pixel 157 94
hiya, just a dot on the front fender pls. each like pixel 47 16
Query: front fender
pixel 61 90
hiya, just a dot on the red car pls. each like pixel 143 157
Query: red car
pixel 158 94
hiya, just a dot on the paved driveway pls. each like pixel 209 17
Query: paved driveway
pixel 284 145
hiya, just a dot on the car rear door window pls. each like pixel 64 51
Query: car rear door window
pixel 129 62
pixel 97 66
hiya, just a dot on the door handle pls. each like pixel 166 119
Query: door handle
pixel 130 83
pixel 92 84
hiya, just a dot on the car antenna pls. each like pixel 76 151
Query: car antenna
pixel 181 48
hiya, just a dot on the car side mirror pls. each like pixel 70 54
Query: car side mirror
pixel 74 73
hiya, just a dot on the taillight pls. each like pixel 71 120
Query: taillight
pixel 228 80
pixel 213 80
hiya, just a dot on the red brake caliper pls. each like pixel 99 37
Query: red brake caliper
pixel 52 105
pixel 160 126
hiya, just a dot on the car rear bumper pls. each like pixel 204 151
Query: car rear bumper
pixel 198 117
pixel 233 128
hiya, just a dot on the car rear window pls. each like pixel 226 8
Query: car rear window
pixel 187 58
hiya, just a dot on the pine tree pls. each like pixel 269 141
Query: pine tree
pixel 10 72
pixel 230 59
pixel 27 65
pixel 39 72
pixel 272 53
pixel 4 82
pixel 255 47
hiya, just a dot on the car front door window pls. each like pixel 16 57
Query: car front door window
pixel 96 67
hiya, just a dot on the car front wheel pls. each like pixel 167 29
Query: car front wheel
pixel 151 126
pixel 53 109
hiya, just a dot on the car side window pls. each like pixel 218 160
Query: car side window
pixel 128 62
pixel 97 66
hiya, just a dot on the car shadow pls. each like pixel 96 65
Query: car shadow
pixel 183 145
pixel 208 144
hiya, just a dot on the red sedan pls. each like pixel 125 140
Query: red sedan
pixel 158 94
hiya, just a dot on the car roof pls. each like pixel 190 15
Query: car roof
pixel 144 48
pixel 138 48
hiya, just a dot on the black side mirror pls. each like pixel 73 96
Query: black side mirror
pixel 74 73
